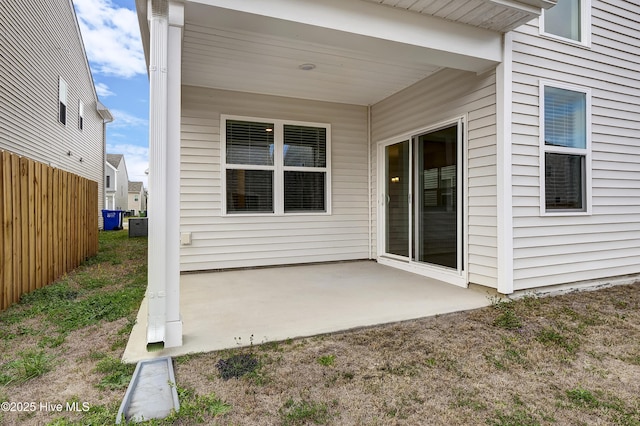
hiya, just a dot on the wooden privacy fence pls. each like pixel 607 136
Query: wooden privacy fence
pixel 49 224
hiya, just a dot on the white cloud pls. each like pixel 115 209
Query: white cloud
pixel 111 38
pixel 124 119
pixel 103 90
pixel 135 157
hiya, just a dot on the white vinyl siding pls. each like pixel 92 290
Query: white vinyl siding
pixel 552 250
pixel 232 241
pixel 447 94
pixel 40 45
pixel 120 186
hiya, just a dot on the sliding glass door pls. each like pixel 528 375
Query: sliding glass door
pixel 422 213
pixel 436 207
pixel 397 207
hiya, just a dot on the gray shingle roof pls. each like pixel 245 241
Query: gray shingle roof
pixel 135 187
pixel 114 159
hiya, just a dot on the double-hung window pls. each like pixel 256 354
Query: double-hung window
pixel 565 149
pixel 568 20
pixel 80 115
pixel 275 166
pixel 62 101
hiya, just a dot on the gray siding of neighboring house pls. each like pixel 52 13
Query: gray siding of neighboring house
pixel 446 95
pixel 555 250
pixel 243 241
pixel 110 186
pixel 121 186
pixel 39 43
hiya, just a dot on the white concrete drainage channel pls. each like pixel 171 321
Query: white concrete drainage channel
pixel 151 393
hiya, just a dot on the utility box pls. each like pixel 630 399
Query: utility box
pixel 138 227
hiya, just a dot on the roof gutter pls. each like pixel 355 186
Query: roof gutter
pixel 534 7
pixel 143 23
pixel 104 112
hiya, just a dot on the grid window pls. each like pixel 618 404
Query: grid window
pixel 275 166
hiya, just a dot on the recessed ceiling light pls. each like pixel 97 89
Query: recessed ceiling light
pixel 268 129
pixel 307 67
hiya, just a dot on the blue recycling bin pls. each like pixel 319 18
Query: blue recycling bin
pixel 112 219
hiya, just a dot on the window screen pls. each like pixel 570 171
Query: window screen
pixel 249 191
pixel 564 187
pixel 304 191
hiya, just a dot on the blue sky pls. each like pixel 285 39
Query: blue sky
pixel 112 41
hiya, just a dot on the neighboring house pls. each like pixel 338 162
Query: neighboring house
pixel 116 183
pixel 49 110
pixel 471 141
pixel 137 198
pixel 110 176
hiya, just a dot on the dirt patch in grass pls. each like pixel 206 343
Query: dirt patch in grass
pixel 566 360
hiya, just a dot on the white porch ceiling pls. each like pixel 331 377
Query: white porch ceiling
pixel 261 63
pixel 260 48
pixel 242 60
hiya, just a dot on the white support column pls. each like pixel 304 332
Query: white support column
pixel 163 323
pixel 504 92
pixel 173 335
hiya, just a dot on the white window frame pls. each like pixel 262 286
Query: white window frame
pixel 586 152
pixel 278 167
pixel 585 27
pixel 80 115
pixel 62 99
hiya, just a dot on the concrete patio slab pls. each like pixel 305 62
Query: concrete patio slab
pixel 277 303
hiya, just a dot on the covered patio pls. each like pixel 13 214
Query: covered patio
pixel 353 68
pixel 219 309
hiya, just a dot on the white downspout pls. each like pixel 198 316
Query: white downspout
pixel 157 280
pixel 504 98
pixel 370 227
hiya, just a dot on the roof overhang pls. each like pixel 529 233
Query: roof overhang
pixel 104 112
pixel 363 50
